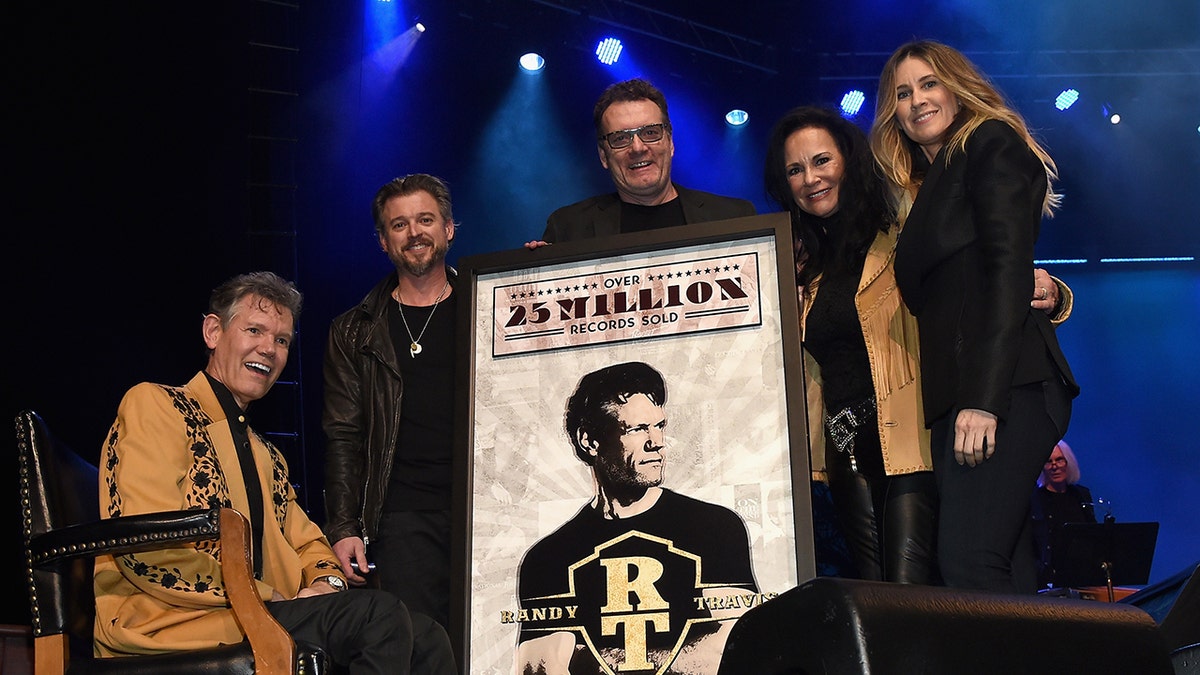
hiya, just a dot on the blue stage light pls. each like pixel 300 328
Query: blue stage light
pixel 532 62
pixel 609 50
pixel 737 117
pixel 1066 99
pixel 1110 113
pixel 1177 258
pixel 852 102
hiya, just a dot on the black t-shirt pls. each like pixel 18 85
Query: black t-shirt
pixel 639 218
pixel 421 472
pixel 659 561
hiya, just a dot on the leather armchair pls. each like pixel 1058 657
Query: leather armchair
pixel 63 533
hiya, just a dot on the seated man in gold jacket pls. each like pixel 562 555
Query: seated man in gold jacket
pixel 191 447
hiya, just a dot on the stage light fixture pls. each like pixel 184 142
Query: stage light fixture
pixel 737 117
pixel 532 62
pixel 1066 99
pixel 1111 114
pixel 852 102
pixel 420 27
pixel 608 50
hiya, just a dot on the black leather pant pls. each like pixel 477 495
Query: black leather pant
pixel 889 522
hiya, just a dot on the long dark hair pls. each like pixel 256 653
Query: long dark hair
pixel 864 208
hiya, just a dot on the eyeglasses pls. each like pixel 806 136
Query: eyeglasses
pixel 1056 461
pixel 650 133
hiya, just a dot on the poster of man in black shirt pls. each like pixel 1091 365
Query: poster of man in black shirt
pixel 642 578
pixel 609 528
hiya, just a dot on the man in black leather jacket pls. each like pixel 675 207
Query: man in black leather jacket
pixel 388 457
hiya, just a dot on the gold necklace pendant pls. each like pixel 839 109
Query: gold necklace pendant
pixel 414 349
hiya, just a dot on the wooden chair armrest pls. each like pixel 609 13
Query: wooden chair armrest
pixel 273 647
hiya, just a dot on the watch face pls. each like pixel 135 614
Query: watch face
pixel 336 582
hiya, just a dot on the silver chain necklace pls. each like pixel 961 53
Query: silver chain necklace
pixel 415 347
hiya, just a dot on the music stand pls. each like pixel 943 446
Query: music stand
pixel 1104 554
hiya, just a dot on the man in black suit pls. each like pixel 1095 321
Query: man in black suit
pixel 634 139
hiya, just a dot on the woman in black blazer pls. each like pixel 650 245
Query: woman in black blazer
pixel 997 388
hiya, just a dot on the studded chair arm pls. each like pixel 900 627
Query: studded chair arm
pixel 125 534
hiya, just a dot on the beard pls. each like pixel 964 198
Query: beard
pixel 419 267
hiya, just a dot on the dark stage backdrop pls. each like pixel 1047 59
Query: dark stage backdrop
pixel 130 157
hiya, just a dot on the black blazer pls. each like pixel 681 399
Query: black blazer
pixel 1048 519
pixel 600 216
pixel 964 265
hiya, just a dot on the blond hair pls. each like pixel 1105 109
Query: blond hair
pixel 980 101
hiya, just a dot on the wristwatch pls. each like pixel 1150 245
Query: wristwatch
pixel 338 583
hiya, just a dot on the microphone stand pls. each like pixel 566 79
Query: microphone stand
pixel 1107 565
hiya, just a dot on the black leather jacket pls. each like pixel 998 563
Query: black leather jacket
pixel 361 419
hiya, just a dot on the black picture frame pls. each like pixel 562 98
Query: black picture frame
pixel 712 306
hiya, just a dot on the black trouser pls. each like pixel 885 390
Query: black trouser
pixel 985 535
pixel 368 631
pixel 887 521
pixel 412 551
pixel 363 631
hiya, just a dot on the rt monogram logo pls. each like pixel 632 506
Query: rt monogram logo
pixel 646 605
